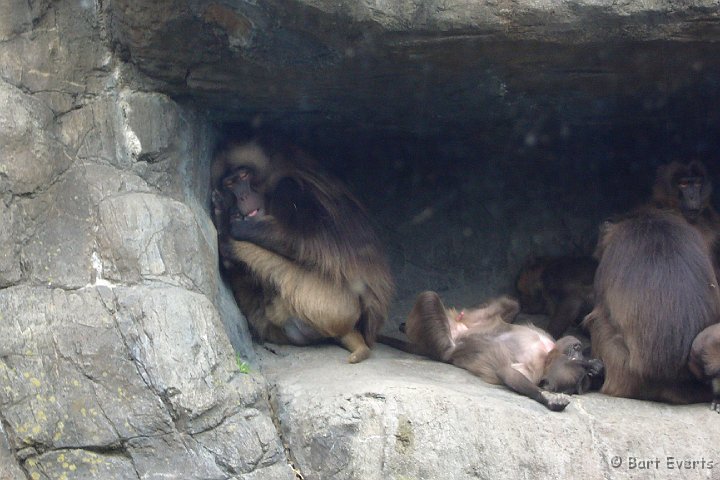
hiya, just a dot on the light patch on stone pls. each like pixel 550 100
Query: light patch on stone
pixel 97 276
pixel 132 142
pixel 107 59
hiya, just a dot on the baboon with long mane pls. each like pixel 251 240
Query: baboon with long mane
pixel 655 290
pixel 686 188
pixel 301 255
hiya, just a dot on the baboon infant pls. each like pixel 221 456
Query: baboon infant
pixel 524 358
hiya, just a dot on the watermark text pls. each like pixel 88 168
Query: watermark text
pixel 668 462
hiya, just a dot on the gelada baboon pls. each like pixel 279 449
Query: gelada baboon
pixel 304 261
pixel 655 290
pixel 686 188
pixel 560 287
pixel 705 360
pixel 482 341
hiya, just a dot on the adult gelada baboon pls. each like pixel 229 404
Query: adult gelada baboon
pixel 482 341
pixel 302 257
pixel 655 290
pixel 686 188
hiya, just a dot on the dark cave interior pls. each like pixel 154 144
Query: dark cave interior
pixel 476 133
pixel 462 201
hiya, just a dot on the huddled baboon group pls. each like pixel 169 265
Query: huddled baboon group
pixel 305 265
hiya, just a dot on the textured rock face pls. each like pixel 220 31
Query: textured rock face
pixel 399 416
pixel 412 67
pixel 143 374
pixel 114 361
pixel 119 343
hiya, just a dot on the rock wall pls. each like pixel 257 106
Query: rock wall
pixel 398 416
pixel 114 360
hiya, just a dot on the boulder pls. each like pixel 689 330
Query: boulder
pixel 104 381
pixel 412 68
pixel 399 416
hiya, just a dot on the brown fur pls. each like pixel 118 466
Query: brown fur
pixel 310 261
pixel 482 341
pixel 655 290
pixel 561 287
pixel 705 360
pixel 696 209
pixel 565 373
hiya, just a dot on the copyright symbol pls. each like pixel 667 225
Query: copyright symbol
pixel 615 461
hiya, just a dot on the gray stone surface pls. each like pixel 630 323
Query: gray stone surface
pixel 59 225
pixel 114 362
pixel 145 235
pixel 30 157
pixel 80 464
pixel 148 134
pixel 9 466
pixel 69 381
pixel 18 16
pixel 54 51
pixel 398 416
pixel 406 67
pixel 144 373
pixel 10 272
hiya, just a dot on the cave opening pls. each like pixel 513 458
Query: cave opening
pixel 465 183
pixel 476 133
